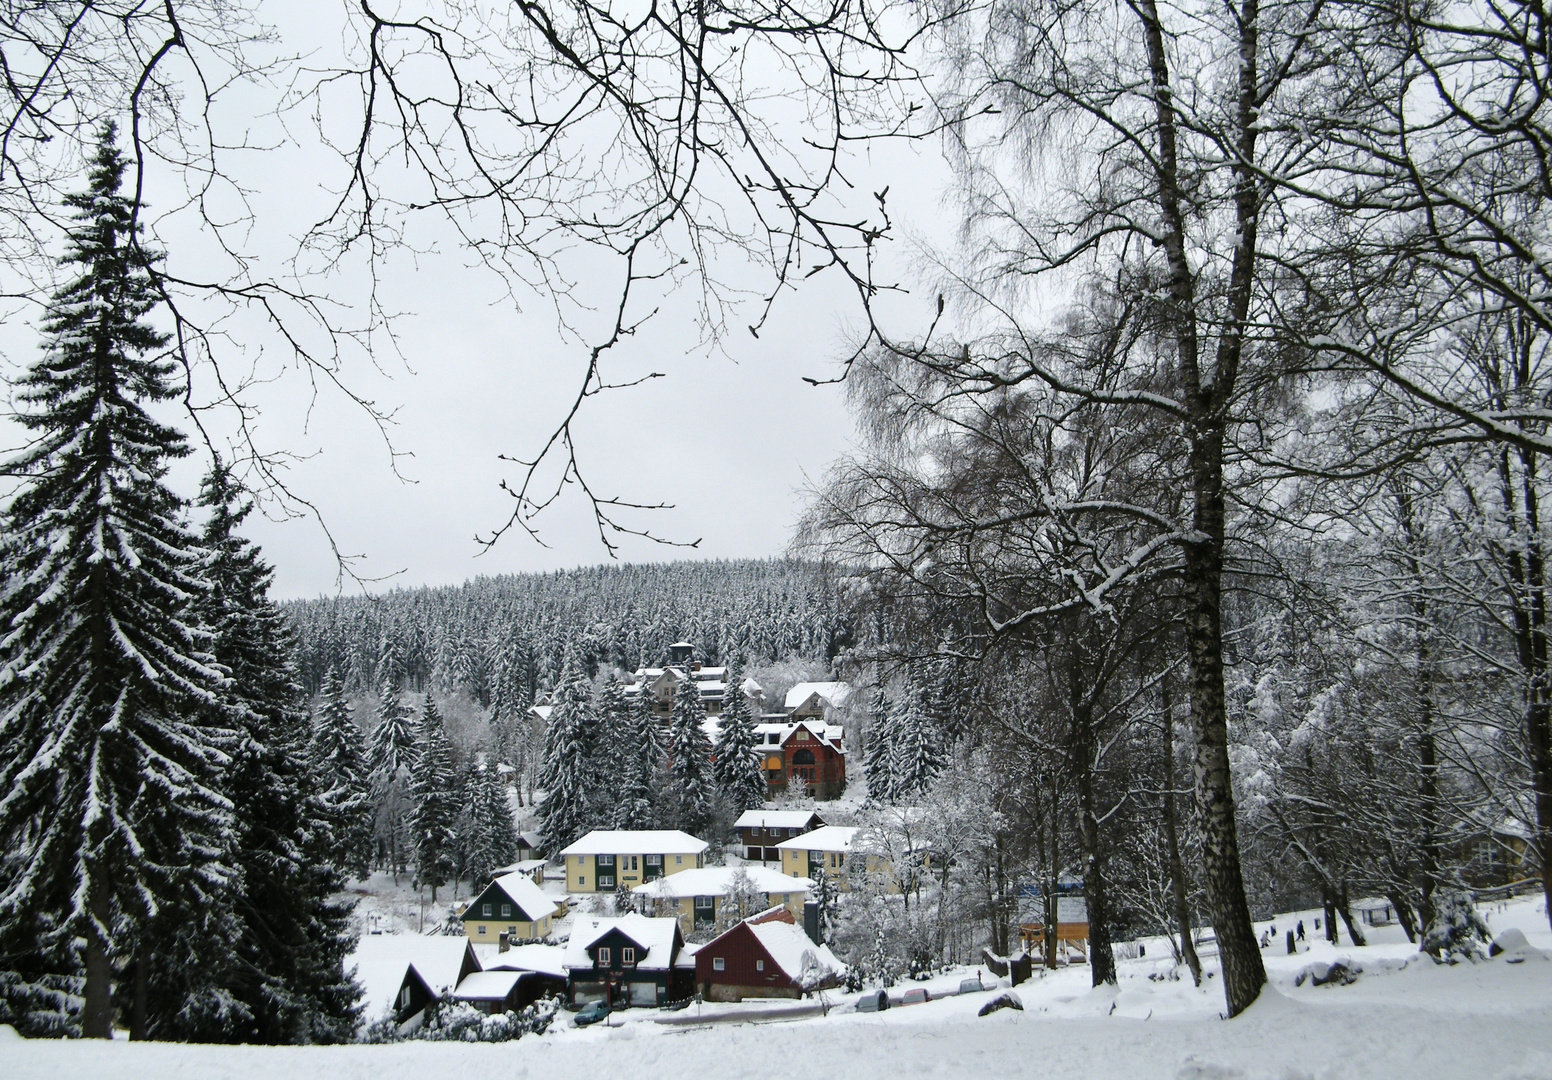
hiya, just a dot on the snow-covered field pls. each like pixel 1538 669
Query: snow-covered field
pixel 1405 1017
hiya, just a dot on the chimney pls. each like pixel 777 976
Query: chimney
pixel 811 921
pixel 504 942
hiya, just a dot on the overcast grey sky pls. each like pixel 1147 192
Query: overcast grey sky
pixel 728 437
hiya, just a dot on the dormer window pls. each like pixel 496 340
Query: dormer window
pixel 627 956
pixel 603 956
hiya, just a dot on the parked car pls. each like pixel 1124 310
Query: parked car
pixel 916 995
pixel 591 1013
pixel 873 1001
pixel 972 986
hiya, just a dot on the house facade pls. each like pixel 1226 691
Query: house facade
pixel 805 756
pixel 832 850
pixel 436 966
pixel 759 831
pixel 662 683
pixel 628 961
pixel 698 897
pixel 511 905
pixel 762 957
pixel 608 859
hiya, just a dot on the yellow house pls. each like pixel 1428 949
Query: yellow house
pixel 831 850
pixel 608 859
pixel 697 897
pixel 512 905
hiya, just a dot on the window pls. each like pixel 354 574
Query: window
pixel 603 956
pixel 654 860
pixel 759 965
pixel 717 964
pixel 606 860
pixel 606 881
pixel 506 911
pixel 511 931
pixel 581 880
pixel 404 997
pixel 482 931
pixel 678 860
pixel 705 903
pixel 485 910
pixel 627 956
pixel 635 864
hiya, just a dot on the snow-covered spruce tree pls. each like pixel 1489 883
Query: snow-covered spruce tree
pixel 110 765
pixel 689 762
pixel 342 780
pixel 915 754
pixel 640 760
pixel 490 836
pixel 879 759
pixel 612 737
pixel 277 975
pixel 737 766
pixel 393 755
pixel 433 797
pixel 567 809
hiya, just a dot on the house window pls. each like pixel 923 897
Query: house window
pixel 717 964
pixel 404 997
pixel 678 860
pixel 759 965
pixel 606 860
pixel 512 931
pixel 627 956
pixel 635 865
pixel 654 860
pixel 606 881
pixel 485 910
pixel 482 931
pixel 603 956
pixel 506 911
pixel 581 880
pixel 705 903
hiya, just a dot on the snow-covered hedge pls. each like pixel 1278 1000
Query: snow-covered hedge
pixel 458 1021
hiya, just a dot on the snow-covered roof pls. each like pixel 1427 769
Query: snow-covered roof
pixel 532 839
pixel 545 959
pixel 380 961
pixel 751 688
pixel 833 693
pixel 789 947
pixel 542 711
pixel 718 880
pixel 824 838
pixel 686 957
pixel 655 935
pixel 534 901
pixel 785 729
pixel 774 819
pixel 487 985
pixel 636 842
pixel 524 866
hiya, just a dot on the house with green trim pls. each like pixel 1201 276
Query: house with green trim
pixel 511 905
pixel 608 859
pixel 628 961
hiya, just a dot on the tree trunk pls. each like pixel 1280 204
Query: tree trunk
pixel 1344 909
pixel 1330 906
pixel 1101 955
pixel 1177 869
pixel 138 1031
pixel 1404 914
pixel 97 1008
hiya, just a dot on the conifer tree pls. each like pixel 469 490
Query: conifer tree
pixel 271 970
pixel 567 810
pixel 110 766
pixel 337 758
pixel 689 756
pixel 393 756
pixel 915 756
pixel 877 765
pixel 491 835
pixel 433 794
pixel 737 767
pixel 612 746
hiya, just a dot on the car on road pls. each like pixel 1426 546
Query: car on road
pixel 591 1013
pixel 972 986
pixel 916 995
pixel 873 1001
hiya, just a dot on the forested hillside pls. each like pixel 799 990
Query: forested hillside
pixel 499 639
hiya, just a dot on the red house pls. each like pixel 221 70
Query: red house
pixel 764 956
pixel 807 756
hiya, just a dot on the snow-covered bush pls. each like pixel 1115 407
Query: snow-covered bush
pixel 459 1021
pixel 1457 931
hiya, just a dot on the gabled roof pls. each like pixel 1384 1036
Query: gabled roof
pixel 523 866
pixel 832 693
pixel 521 890
pixel 654 938
pixel 825 838
pixel 488 985
pixel 718 880
pixel 636 842
pixel 774 819
pixel 792 950
pixel 825 732
pixel 381 960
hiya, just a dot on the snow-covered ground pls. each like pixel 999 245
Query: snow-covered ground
pixel 1405 1017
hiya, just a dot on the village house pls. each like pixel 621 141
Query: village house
pixel 511 905
pixel 662 683
pixel 505 989
pixel 816 700
pixel 609 859
pixel 765 956
pixel 531 868
pixel 759 831
pixel 807 756
pixel 834 851
pixel 697 897
pixel 435 968
pixel 632 960
pixel 530 845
